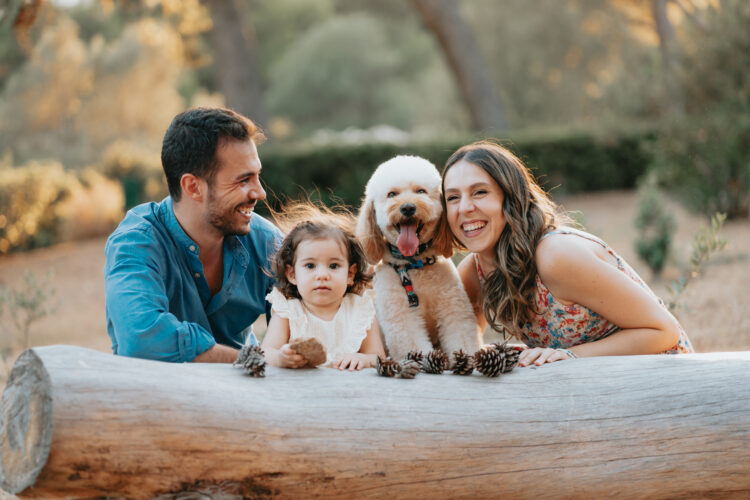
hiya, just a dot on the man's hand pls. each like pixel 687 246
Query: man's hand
pixel 217 354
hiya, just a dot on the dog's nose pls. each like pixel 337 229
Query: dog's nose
pixel 408 209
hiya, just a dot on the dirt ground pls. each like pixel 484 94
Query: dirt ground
pixel 715 313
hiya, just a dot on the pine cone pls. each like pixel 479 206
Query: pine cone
pixel 435 362
pixel 387 367
pixel 242 355
pixel 252 361
pixel 415 356
pixel 489 361
pixel 463 364
pixel 511 356
pixel 409 368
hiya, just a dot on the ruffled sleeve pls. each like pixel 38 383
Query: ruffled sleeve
pixel 364 311
pixel 360 313
pixel 290 309
pixel 279 304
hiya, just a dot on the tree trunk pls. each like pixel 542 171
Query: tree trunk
pixel 670 63
pixel 461 50
pixel 81 423
pixel 236 60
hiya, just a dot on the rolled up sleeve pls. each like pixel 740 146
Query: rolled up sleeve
pixel 139 320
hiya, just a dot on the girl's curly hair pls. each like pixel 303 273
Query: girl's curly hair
pixel 309 221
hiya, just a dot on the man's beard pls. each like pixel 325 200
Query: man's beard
pixel 225 220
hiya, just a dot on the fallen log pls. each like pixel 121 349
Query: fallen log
pixel 80 423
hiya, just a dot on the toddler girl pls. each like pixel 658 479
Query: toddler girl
pixel 321 274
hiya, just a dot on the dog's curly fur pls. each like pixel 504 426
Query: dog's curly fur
pixel 444 317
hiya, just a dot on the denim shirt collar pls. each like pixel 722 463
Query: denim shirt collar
pixel 234 267
pixel 187 246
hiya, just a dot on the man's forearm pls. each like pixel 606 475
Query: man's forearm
pixel 217 354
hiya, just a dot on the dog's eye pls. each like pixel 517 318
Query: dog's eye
pixel 392 194
pixel 421 191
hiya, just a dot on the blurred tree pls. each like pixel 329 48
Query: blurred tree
pixel 670 63
pixel 327 79
pixel 236 60
pixel 560 63
pixel 442 17
pixel 327 86
pixel 20 15
pixel 715 49
pixel 71 99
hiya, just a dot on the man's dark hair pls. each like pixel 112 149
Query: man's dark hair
pixel 192 139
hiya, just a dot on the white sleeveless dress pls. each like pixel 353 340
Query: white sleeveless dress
pixel 341 335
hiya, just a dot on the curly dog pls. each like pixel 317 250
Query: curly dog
pixel 420 301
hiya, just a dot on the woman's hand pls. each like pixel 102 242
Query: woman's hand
pixel 355 361
pixel 540 355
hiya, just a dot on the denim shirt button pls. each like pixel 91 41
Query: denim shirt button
pixel 192 248
pixel 197 275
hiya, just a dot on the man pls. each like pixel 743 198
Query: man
pixel 186 278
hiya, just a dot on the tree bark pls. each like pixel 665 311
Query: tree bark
pixel 81 423
pixel 236 61
pixel 461 50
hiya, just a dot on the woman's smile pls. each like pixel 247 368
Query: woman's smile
pixel 471 228
pixel 474 207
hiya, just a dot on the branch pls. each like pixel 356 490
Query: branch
pixel 698 21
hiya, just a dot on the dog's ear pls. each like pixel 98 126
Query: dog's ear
pixel 368 232
pixel 442 242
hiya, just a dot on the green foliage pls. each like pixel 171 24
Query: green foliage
pixel 706 161
pixel 706 157
pixel 137 169
pixel 324 79
pixel 26 305
pixel 29 198
pixel 73 98
pixel 716 66
pixel 563 62
pixel 42 204
pixel 655 226
pixel 575 162
pixel 706 241
pixel 357 69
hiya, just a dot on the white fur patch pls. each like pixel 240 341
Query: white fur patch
pixel 402 171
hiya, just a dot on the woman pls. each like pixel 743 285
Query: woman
pixel 564 292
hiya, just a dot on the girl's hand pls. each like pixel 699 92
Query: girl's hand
pixel 355 361
pixel 540 355
pixel 288 358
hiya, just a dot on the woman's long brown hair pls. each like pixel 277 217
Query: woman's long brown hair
pixel 508 292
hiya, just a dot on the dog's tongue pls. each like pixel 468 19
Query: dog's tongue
pixel 407 240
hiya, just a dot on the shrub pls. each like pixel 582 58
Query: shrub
pixel 29 197
pixel 706 242
pixel 137 169
pixel 93 207
pixel 655 227
pixel 41 204
pixel 706 161
pixel 574 162
pixel 28 303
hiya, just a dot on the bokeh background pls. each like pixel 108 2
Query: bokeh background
pixel 633 113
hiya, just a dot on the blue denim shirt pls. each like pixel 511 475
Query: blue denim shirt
pixel 158 304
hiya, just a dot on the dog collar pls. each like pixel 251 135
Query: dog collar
pixel 397 253
pixel 403 273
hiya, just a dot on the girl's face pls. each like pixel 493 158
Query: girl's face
pixel 321 273
pixel 474 204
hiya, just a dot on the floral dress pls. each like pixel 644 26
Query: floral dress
pixel 341 335
pixel 562 326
